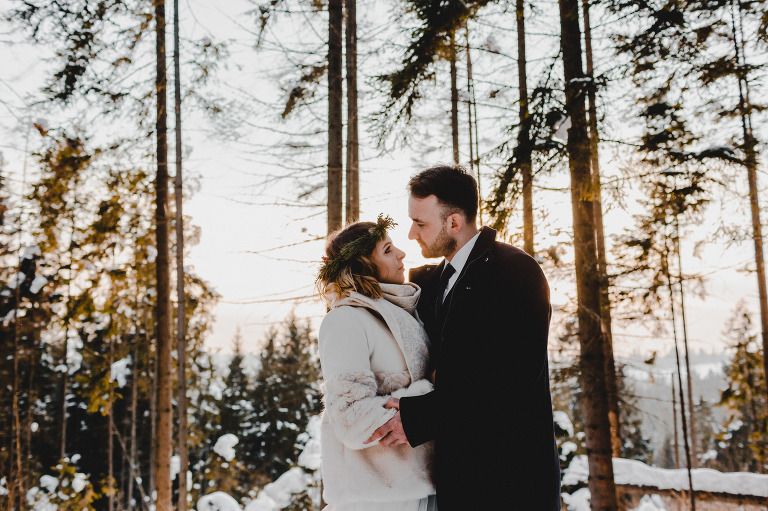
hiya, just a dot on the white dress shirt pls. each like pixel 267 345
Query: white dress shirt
pixel 458 262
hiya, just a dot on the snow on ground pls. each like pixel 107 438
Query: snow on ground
pixel 636 473
pixel 279 493
pixel 225 446
pixel 651 503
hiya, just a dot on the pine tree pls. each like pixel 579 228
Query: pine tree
pixel 742 440
pixel 286 393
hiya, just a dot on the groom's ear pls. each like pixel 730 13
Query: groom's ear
pixel 455 222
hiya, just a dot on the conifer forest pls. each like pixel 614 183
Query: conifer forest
pixel 169 172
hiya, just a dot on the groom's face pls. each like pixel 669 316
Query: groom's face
pixel 430 227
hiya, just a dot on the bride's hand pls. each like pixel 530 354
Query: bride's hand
pixel 393 402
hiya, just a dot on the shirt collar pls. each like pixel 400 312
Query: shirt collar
pixel 460 259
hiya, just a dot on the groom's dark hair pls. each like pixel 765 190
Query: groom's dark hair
pixel 455 189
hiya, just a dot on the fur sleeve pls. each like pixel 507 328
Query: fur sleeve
pixel 354 409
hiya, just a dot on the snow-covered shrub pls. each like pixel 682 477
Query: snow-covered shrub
pixel 67 489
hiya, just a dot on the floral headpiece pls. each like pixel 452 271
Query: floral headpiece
pixel 333 266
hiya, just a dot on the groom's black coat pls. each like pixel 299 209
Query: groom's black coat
pixel 490 414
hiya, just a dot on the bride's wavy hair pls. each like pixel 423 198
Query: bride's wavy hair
pixel 359 274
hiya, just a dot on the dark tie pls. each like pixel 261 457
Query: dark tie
pixel 448 272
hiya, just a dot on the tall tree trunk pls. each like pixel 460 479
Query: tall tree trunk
pixel 591 337
pixel 132 448
pixel 469 105
pixel 181 313
pixel 750 162
pixel 164 436
pixel 454 101
pixel 335 121
pixel 353 151
pixel 689 378
pixel 683 420
pixel 110 435
pixel 611 385
pixel 152 369
pixel 523 137
pixel 674 423
pixel 16 490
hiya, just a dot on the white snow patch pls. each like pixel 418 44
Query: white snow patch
pixel 37 284
pixel 636 473
pixel 33 427
pixel 282 489
pixel 262 503
pixel 563 421
pixel 3 489
pixel 310 455
pixel 50 483
pixel 218 501
pixel 151 254
pixel 79 482
pixel 225 446
pixel 568 448
pixel 175 466
pixel 578 501
pixel 120 371
pixel 30 252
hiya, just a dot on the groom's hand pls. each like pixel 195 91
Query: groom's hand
pixel 390 433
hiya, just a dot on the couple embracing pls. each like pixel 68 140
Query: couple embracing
pixel 436 390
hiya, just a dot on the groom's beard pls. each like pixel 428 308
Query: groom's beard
pixel 443 245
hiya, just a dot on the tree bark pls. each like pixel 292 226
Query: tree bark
pixel 750 162
pixel 181 312
pixel 469 105
pixel 353 151
pixel 611 385
pixel 683 420
pixel 523 137
pixel 132 449
pixel 689 378
pixel 110 436
pixel 674 424
pixel 335 121
pixel 591 336
pixel 163 306
pixel 454 101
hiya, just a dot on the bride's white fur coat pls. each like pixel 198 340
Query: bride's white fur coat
pixel 367 357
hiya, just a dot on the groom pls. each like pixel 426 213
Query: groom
pixel 486 310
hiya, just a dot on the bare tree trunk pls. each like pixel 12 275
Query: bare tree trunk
pixel 353 150
pixel 469 105
pixel 335 121
pixel 689 378
pixel 16 490
pixel 152 367
pixel 110 436
pixel 611 385
pixel 523 137
pixel 454 101
pixel 181 312
pixel 164 436
pixel 750 162
pixel 132 449
pixel 674 423
pixel 591 336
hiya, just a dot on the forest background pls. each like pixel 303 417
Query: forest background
pixel 79 115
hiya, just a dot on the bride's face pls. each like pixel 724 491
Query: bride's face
pixel 389 261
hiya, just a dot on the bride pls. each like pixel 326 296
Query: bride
pixel 372 347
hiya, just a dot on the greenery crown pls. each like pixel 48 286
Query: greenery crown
pixel 333 266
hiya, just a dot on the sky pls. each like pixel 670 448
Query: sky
pixel 260 250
